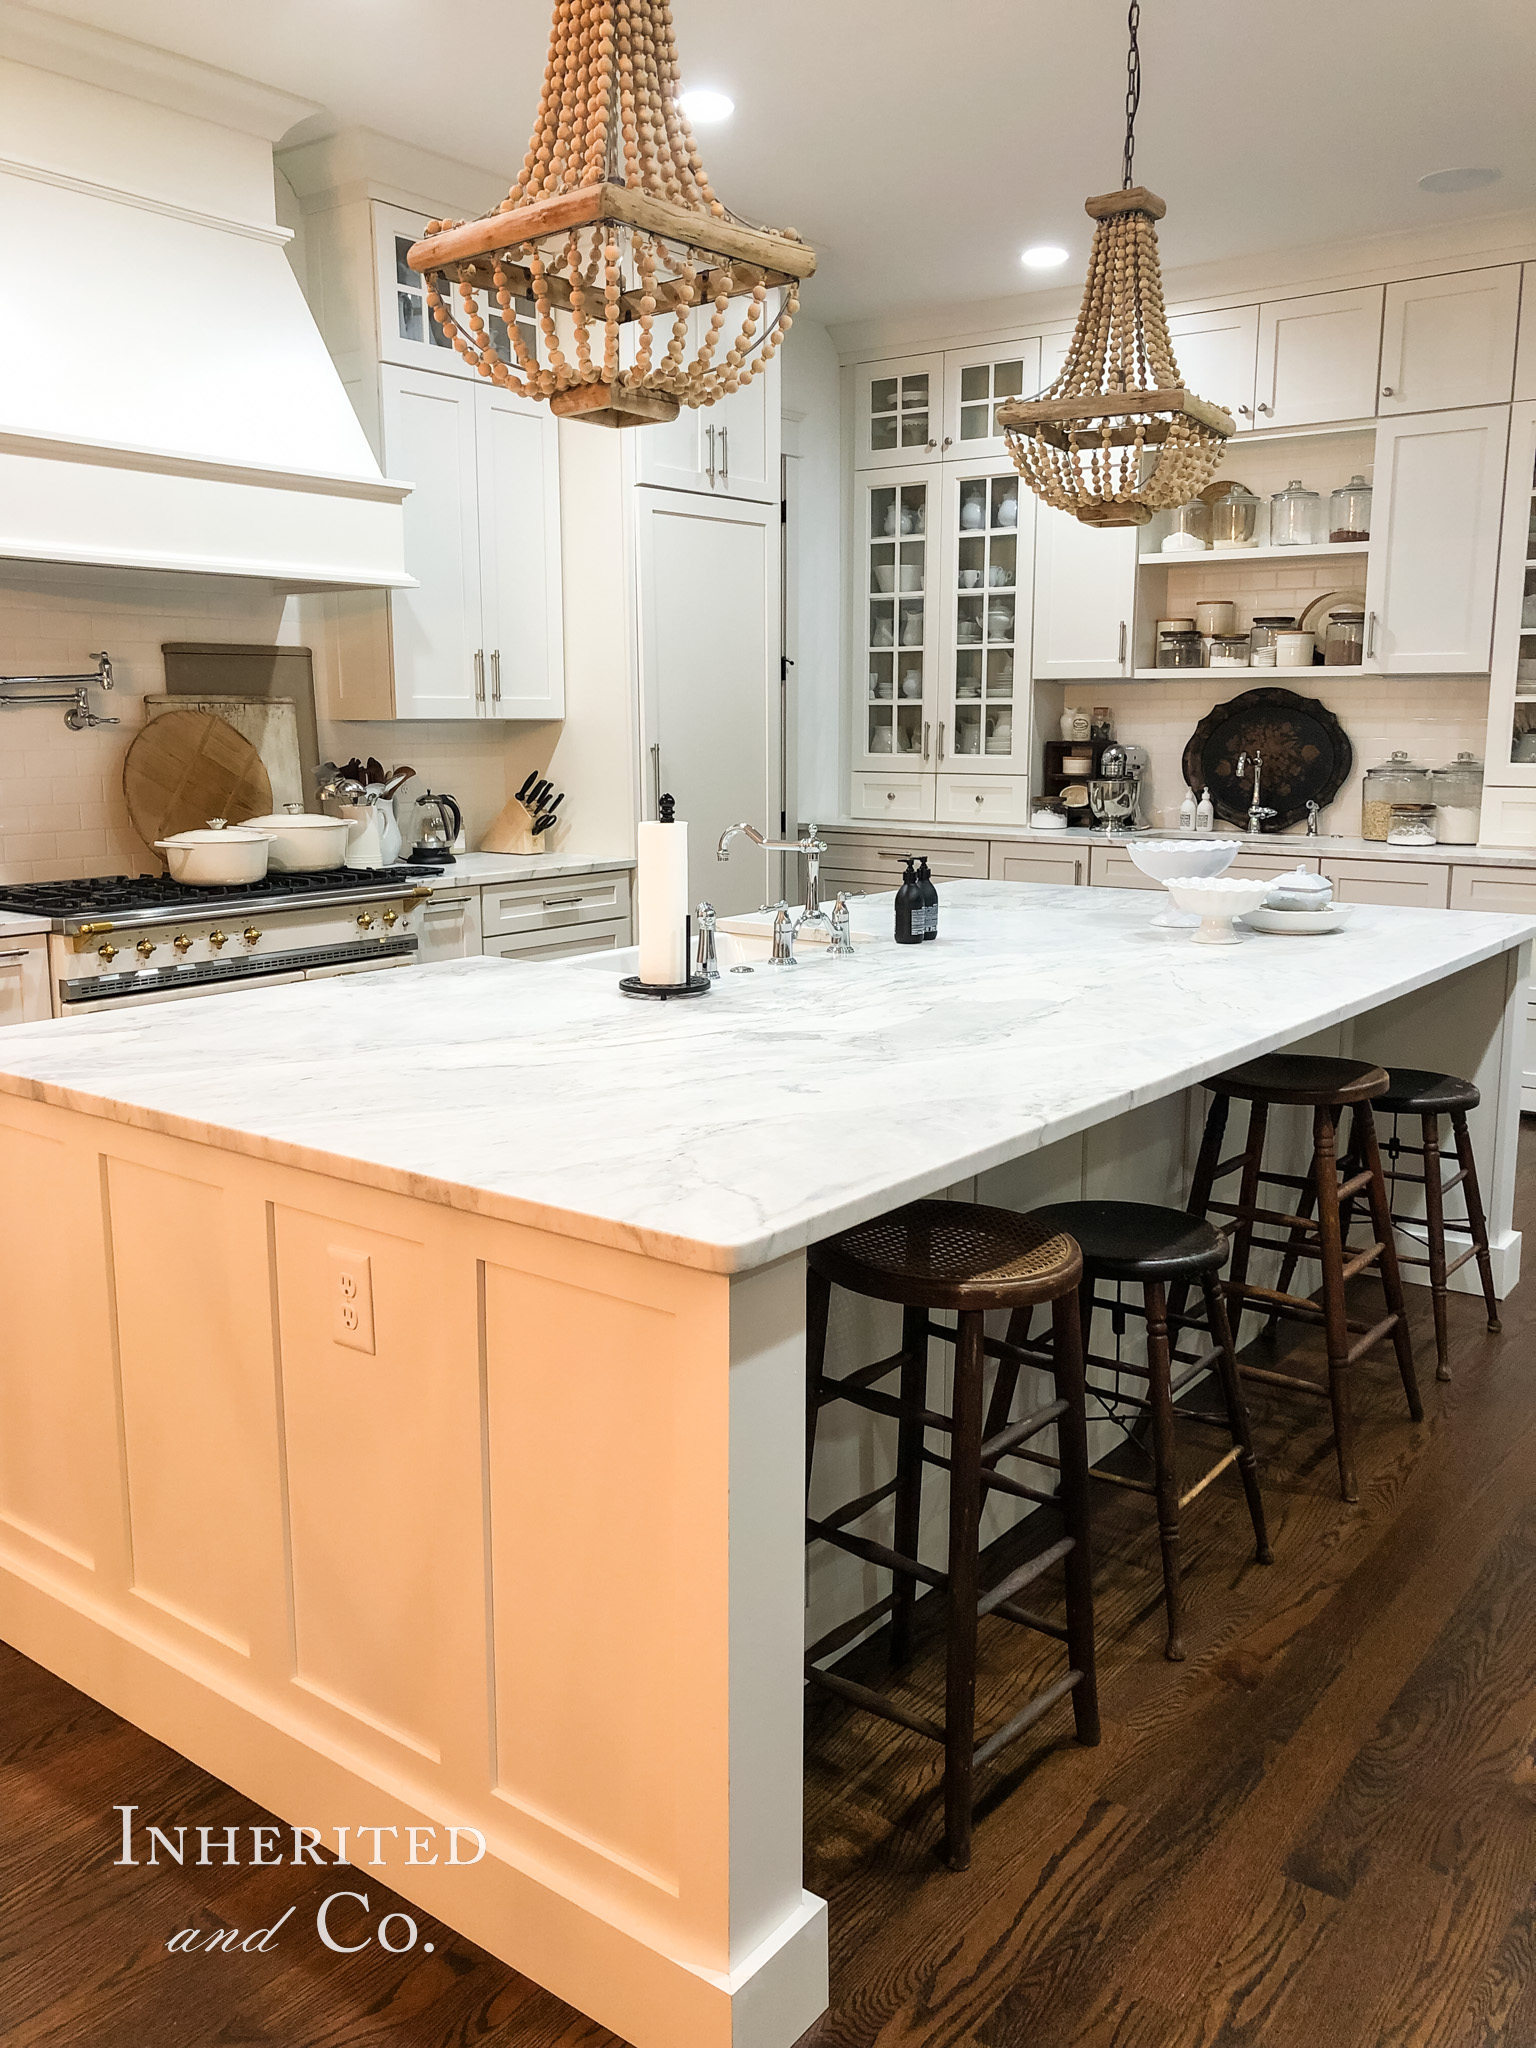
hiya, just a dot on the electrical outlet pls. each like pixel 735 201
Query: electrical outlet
pixel 352 1295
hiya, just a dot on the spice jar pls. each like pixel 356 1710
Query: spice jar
pixel 1181 650
pixel 1293 516
pixel 1411 825
pixel 1229 650
pixel 1235 519
pixel 1349 511
pixel 1344 643
pixel 1396 781
pixel 1261 641
pixel 1457 793
pixel 1189 532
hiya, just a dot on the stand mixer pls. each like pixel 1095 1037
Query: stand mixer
pixel 1114 794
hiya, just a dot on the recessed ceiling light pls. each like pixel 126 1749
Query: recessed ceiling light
pixel 703 106
pixel 1467 178
pixel 1043 256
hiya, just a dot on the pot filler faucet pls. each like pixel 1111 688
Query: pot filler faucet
pixel 812 847
pixel 1258 810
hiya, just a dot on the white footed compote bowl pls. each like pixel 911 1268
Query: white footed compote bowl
pixel 1161 858
pixel 1217 899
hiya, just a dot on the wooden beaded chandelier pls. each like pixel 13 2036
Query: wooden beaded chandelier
pixel 1117 437
pixel 614 234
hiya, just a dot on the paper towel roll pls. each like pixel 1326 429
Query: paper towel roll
pixel 661 902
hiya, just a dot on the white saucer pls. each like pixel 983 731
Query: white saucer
pixel 1298 924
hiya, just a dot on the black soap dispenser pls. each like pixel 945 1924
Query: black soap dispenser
pixel 909 909
pixel 930 895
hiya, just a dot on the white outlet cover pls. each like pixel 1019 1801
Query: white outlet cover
pixel 352 1296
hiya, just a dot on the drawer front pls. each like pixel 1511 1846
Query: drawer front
pixel 1111 867
pixel 593 938
pixel 1063 866
pixel 955 860
pixel 1508 889
pixel 1421 885
pixel 450 928
pixel 510 907
pixel 891 796
pixel 982 799
pixel 24 981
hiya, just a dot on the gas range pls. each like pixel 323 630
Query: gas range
pixel 176 941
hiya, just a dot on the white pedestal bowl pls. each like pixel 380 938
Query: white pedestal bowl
pixel 1217 899
pixel 1160 859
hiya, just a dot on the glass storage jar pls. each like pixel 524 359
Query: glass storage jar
pixel 1181 650
pixel 1344 643
pixel 1229 650
pixel 1235 519
pixel 1457 793
pixel 1189 531
pixel 1261 640
pixel 1293 516
pixel 1349 511
pixel 1411 825
pixel 1101 723
pixel 1396 781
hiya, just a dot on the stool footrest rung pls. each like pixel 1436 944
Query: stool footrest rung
pixel 1010 1730
pixel 844 1633
pixel 1121 1479
pixel 864 1377
pixel 1000 1480
pixel 884 1404
pixel 1016 1433
pixel 1025 1575
pixel 1220 1466
pixel 875 1553
pixel 1026 1619
pixel 1372 1336
pixel 876 1703
pixel 841 1517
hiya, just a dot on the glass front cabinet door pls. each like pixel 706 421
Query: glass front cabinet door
pixel 898 412
pixel 894 667
pixel 1511 758
pixel 976 383
pixel 984 697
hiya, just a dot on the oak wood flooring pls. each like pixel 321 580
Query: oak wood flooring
pixel 1317 1832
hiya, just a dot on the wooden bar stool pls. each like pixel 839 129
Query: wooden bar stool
pixel 1314 1228
pixel 1155 1249
pixel 961 1256
pixel 1415 1092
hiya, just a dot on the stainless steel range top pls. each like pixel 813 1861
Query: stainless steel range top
pixel 108 902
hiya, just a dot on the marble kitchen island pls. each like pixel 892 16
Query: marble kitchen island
pixel 402 1407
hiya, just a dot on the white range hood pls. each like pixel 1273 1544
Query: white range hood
pixel 166 401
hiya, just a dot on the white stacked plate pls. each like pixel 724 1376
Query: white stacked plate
pixel 1298 924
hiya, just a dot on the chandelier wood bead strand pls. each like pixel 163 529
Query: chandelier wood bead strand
pixel 614 234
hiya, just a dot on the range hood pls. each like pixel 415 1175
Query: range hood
pixel 166 401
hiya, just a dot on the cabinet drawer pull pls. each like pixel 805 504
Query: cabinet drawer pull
pixel 495 675
pixel 1077 874
pixel 941 739
pixel 1370 637
pixel 925 739
pixel 553 902
pixel 1122 643
pixel 20 955
pixel 479 675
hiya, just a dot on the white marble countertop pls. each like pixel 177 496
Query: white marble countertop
pixel 475 869
pixel 15 924
pixel 724 1132
pixel 1293 844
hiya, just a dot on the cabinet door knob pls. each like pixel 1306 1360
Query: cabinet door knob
pixel 1245 412
pixel 1387 391
pixel 1267 410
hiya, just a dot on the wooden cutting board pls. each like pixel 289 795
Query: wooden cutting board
pixel 188 767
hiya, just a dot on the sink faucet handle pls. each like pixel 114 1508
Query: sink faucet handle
pixel 708 963
pixel 842 932
pixel 1313 808
pixel 783 954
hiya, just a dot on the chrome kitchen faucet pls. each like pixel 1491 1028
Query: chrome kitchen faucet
pixel 1258 810
pixel 812 847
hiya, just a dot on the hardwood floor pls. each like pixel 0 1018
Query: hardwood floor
pixel 1318 1832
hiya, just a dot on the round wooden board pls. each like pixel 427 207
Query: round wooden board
pixel 188 767
pixel 1306 754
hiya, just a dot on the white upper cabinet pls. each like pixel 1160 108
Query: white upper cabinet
pixel 985 570
pixel 730 449
pixel 1512 690
pixel 1216 354
pixel 976 382
pixel 1450 340
pixel 896 623
pixel 518 476
pixel 898 412
pixel 1085 597
pixel 1525 354
pixel 408 334
pixel 1439 486
pixel 1317 358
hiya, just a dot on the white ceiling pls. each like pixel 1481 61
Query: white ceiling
pixel 921 146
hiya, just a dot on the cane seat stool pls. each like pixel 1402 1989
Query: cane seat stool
pixel 933 1256
pixel 1314 1225
pixel 1154 1249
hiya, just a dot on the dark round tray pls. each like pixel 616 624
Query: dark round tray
pixel 1306 755
pixel 661 992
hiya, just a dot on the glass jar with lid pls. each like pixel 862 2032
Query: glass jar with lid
pixel 1229 650
pixel 1189 530
pixel 1344 643
pixel 1235 519
pixel 1396 781
pixel 1411 825
pixel 1293 516
pixel 1457 793
pixel 1261 640
pixel 1180 650
pixel 1349 511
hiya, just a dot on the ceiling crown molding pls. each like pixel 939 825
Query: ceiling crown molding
pixel 52 42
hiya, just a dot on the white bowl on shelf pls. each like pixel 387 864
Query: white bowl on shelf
pixel 1217 899
pixel 1159 859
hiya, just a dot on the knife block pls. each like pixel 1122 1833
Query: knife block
pixel 512 832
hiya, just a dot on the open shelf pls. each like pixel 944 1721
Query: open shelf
pixel 1207 557
pixel 1284 676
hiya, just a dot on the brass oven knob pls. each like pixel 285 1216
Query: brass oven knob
pixel 108 952
pixel 364 921
pixel 144 948
pixel 391 918
pixel 251 934
pixel 182 943
pixel 218 941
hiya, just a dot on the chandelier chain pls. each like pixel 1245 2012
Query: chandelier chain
pixel 1132 95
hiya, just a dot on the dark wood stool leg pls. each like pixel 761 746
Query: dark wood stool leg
pixel 1072 1449
pixel 1165 1462
pixel 1247 1201
pixel 818 1302
pixel 1363 1139
pixel 1200 1187
pixel 1237 1413
pixel 1006 1383
pixel 1325 1180
pixel 964 1589
pixel 1434 1222
pixel 1304 1207
pixel 1475 1217
pixel 909 1474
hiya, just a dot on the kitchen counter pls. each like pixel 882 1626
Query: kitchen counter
pixel 476 869
pixel 403 1389
pixel 1323 845
pixel 14 925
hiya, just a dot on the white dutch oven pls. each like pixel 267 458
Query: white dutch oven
pixel 302 841
pixel 217 857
